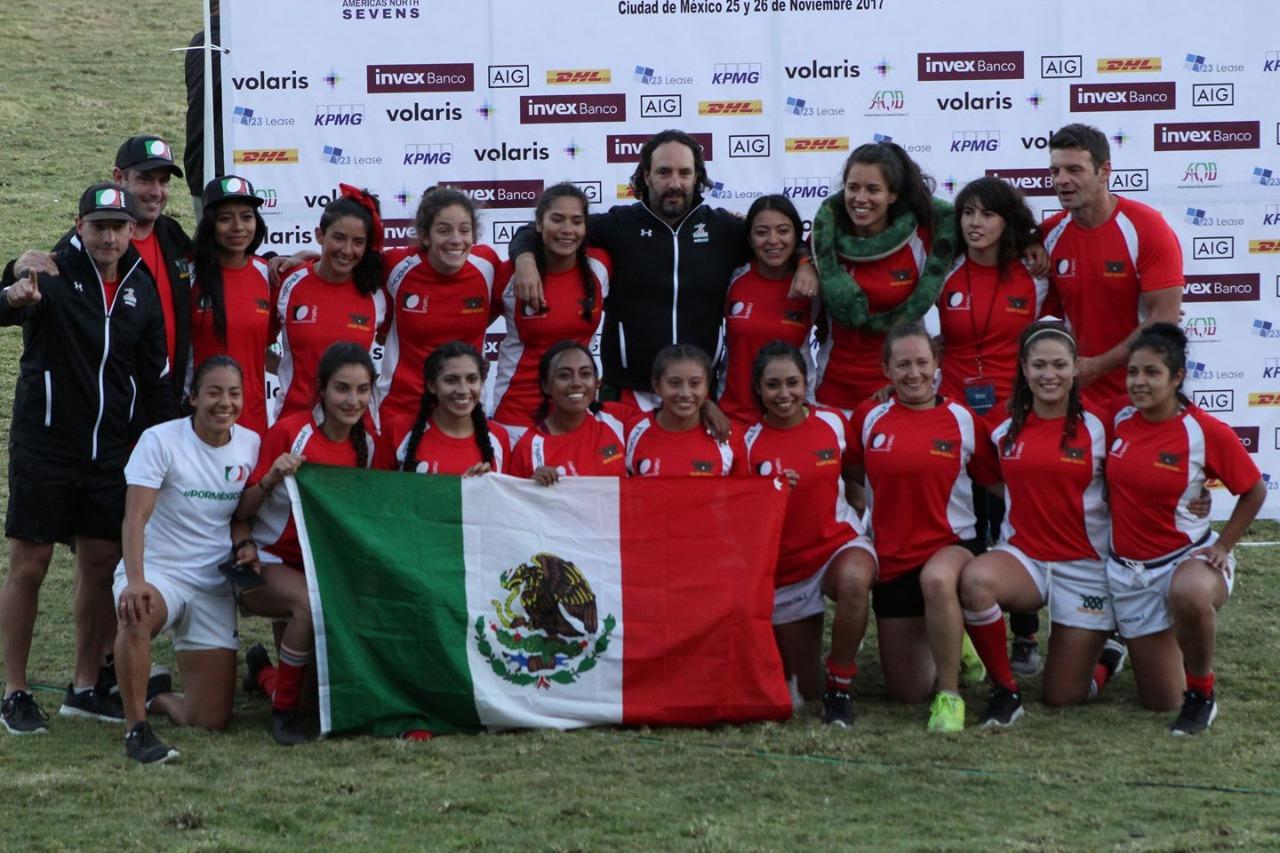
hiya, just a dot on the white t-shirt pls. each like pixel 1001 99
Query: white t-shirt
pixel 189 533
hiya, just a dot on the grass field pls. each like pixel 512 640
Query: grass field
pixel 75 80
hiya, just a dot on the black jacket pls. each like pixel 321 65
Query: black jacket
pixel 668 284
pixel 176 248
pixel 84 372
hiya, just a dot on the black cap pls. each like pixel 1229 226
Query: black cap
pixel 106 201
pixel 229 188
pixel 146 153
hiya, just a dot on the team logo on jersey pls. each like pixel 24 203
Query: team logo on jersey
pixel 767 467
pixel 1168 461
pixel 826 456
pixel 1065 267
pixel 882 442
pixel 547 630
pixel 648 467
pixel 529 312
pixel 1113 268
pixel 130 298
pixel 1012 452
pixel 700 234
pixel 1017 305
pixel 902 276
pixel 204 303
pixel 955 301
pixel 262 306
pixel 415 303
pixel 704 466
pixel 793 318
pixel 610 453
pixel 1118 447
pixel 358 321
pixel 1092 604
pixel 943 447
pixel 235 473
pixel 305 313
pixel 1072 455
pixel 472 304
pixel 740 311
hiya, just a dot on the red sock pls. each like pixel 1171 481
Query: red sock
pixel 986 630
pixel 1202 684
pixel 289 672
pixel 1100 677
pixel 840 677
pixel 267 679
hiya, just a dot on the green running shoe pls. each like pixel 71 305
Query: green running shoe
pixel 947 713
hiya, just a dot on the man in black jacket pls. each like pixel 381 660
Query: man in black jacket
pixel 673 256
pixel 93 353
pixel 144 167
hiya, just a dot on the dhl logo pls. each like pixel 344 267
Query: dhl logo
pixel 730 108
pixel 800 144
pixel 625 191
pixel 1128 64
pixel 266 155
pixel 1264 247
pixel 1264 398
pixel 579 76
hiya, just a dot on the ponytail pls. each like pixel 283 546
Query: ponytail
pixel 567 190
pixel 337 356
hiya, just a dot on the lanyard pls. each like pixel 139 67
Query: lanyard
pixel 973 310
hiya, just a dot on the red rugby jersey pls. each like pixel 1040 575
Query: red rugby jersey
pixel 850 360
pixel 426 309
pixel 1155 469
pixel 1101 273
pixel 756 312
pixel 531 333
pixel 438 452
pixel 311 314
pixel 594 449
pixel 652 451
pixel 1055 499
pixel 297 433
pixel 920 464
pixel 247 297
pixel 819 518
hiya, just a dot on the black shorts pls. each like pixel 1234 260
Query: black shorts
pixel 54 500
pixel 902 598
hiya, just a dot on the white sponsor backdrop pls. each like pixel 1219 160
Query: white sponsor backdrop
pixel 506 96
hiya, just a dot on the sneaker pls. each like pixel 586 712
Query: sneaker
pixel 1004 708
pixel 160 681
pixel 142 745
pixel 20 715
pixel 837 708
pixel 106 684
pixel 797 701
pixel 286 728
pixel 972 669
pixel 91 705
pixel 1198 713
pixel 1025 660
pixel 256 659
pixel 947 713
pixel 1114 653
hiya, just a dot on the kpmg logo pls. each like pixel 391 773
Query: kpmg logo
pixel 559 109
pixel 968 141
pixel 337 115
pixel 495 194
pixel 428 154
pixel 508 76
pixel 735 73
pixel 1271 214
pixel 1032 182
pixel 440 77
pixel 818 188
pixel 625 147
pixel 1224 287
pixel 989 65
pixel 1055 67
pixel 1108 97
pixel 1194 136
pixel 1271 62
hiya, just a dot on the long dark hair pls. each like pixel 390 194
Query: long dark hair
pixel 208 271
pixel 669 355
pixel 545 365
pixel 700 180
pixel 211 363
pixel 774 351
pixel 1006 201
pixel 1022 400
pixel 783 205
pixel 567 190
pixel 901 176
pixel 431 369
pixel 1170 343
pixel 336 357
pixel 368 272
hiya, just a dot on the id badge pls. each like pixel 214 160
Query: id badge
pixel 979 394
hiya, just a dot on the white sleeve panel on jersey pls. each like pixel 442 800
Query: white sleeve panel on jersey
pixel 1051 239
pixel 1097 515
pixel 1123 415
pixel 397 275
pixel 510 350
pixel 485 268
pixel 601 272
pixel 823 357
pixel 390 360
pixel 614 425
pixel 263 270
pixel 1130 233
pixel 872 416
pixel 1007 530
pixel 726 457
pixel 499 452
pixel 538 452
pixel 960 513
pixel 633 438
pixel 1187 523
pixel 836 424
pixel 918 250
pixel 284 374
pixel 749 439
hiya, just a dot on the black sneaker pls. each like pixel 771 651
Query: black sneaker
pixel 1198 713
pixel 91 705
pixel 287 729
pixel 837 708
pixel 106 684
pixel 160 681
pixel 142 745
pixel 256 659
pixel 20 715
pixel 1004 708
pixel 1113 655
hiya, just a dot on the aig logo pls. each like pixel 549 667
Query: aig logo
pixel 508 76
pixel 1215 400
pixel 749 146
pixel 1052 67
pixel 1213 94
pixel 661 106
pixel 1213 248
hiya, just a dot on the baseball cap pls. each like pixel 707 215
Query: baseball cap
pixel 146 153
pixel 106 201
pixel 229 188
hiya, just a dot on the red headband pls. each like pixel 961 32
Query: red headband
pixel 362 198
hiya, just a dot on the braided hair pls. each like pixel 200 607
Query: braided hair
pixel 567 190
pixel 208 277
pixel 1022 400
pixel 431 370
pixel 336 357
pixel 547 363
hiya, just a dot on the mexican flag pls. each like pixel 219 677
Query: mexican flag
pixel 455 604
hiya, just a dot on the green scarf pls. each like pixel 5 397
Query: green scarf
pixel 843 298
